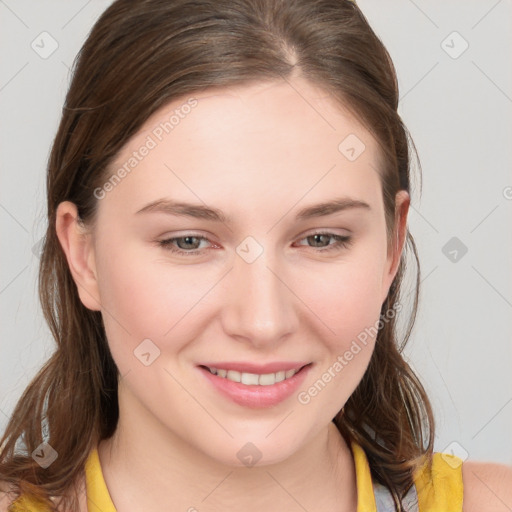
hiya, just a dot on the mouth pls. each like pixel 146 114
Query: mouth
pixel 258 388
pixel 254 379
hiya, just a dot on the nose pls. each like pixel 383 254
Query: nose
pixel 259 306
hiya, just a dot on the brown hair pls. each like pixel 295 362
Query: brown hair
pixel 140 55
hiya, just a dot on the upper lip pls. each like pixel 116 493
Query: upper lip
pixel 257 368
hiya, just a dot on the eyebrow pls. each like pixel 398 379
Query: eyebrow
pixel 199 211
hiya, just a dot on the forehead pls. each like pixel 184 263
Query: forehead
pixel 276 141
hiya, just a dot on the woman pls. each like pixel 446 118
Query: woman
pixel 227 201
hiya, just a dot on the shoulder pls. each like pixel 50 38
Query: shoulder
pixel 24 504
pixel 10 503
pixel 5 499
pixel 21 504
pixel 487 487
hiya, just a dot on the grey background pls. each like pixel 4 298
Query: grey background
pixel 458 107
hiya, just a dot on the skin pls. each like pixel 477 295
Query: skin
pixel 292 303
pixel 176 434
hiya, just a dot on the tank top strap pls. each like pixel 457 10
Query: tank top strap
pixel 440 487
pixel 437 488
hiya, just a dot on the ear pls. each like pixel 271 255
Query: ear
pixel 77 244
pixel 398 239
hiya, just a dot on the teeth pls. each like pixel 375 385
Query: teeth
pixel 280 376
pixel 250 378
pixel 233 375
pixel 266 379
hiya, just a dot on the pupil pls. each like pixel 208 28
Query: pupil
pixel 317 237
pixel 188 239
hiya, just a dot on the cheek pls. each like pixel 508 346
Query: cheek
pixel 143 298
pixel 348 303
pixel 346 297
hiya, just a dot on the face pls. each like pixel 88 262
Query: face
pixel 234 267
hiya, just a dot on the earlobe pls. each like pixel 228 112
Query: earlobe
pixel 76 243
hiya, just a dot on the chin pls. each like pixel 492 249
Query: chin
pixel 258 452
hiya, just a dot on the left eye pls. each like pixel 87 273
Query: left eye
pixel 188 245
pixel 341 241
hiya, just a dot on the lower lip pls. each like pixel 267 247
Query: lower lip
pixel 256 396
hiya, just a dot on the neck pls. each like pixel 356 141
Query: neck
pixel 319 476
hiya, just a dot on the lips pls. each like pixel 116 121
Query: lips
pixel 268 393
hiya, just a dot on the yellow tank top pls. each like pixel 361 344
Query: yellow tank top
pixel 438 491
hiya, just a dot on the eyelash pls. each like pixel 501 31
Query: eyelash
pixel 342 242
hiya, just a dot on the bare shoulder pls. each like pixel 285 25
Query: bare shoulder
pixel 7 493
pixel 487 487
pixel 5 498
